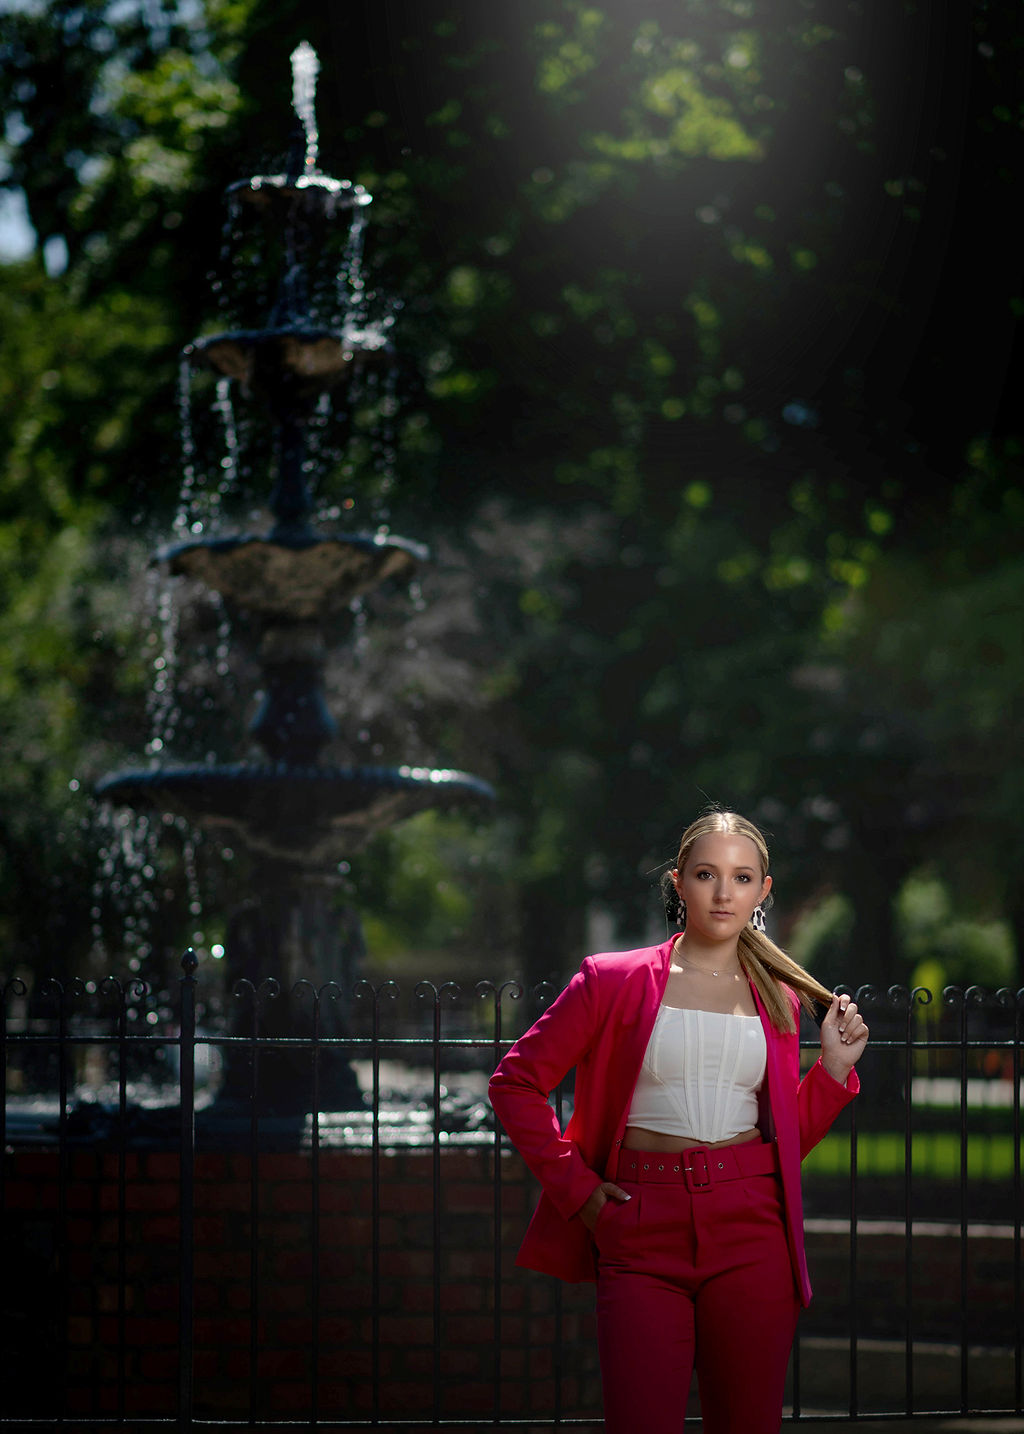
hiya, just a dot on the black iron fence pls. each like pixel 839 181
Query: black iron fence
pixel 298 1211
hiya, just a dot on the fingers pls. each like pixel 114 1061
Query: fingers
pixel 613 1191
pixel 849 1022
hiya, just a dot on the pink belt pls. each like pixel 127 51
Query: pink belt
pixel 699 1168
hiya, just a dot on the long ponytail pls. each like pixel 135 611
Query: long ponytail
pixel 766 965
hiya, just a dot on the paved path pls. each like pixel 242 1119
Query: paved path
pixel 979 1425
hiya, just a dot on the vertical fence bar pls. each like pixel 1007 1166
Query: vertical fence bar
pixel 137 990
pixel 17 988
pixel 314 1175
pixel 1018 1195
pixel 559 1304
pixel 917 996
pixel 63 994
pixel 1018 1198
pixel 452 991
pixel 485 988
pixel 271 989
pixel 187 1190
pixel 14 987
pixel 854 1400
pixel 435 1193
pixel 496 1208
pixel 122 1196
pixel 375 1217
pixel 795 1352
pixel 854 1322
pixel 334 991
pixel 63 1171
pixel 364 988
pixel 964 999
pixel 254 1213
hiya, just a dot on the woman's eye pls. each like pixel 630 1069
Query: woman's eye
pixel 744 877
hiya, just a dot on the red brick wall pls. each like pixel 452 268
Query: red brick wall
pixel 283 1377
pixel 61 1310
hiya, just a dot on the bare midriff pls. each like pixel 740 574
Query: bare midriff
pixel 636 1138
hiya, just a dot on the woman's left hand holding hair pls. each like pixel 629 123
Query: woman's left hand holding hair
pixel 843 1038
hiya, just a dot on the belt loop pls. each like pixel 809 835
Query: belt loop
pixel 696 1169
pixel 611 1169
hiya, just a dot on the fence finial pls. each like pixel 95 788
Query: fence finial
pixel 190 962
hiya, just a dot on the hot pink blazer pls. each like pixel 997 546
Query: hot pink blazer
pixel 601 1024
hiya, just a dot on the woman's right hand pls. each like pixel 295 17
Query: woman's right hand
pixel 606 1191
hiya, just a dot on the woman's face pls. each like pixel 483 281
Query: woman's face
pixel 721 884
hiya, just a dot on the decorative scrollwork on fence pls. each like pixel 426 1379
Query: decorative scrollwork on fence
pixel 959 999
pixel 905 999
pixel 544 992
pixel 869 995
pixel 134 990
pixel 424 989
pixel 268 990
pixel 330 990
pixel 14 987
pixel 52 988
pixel 488 988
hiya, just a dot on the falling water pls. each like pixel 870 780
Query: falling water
pixel 350 284
pixel 189 847
pixel 126 881
pixel 323 453
pixel 229 463
pixel 186 492
pixel 199 500
pixel 162 706
pixel 305 68
pixel 222 652
pixel 384 444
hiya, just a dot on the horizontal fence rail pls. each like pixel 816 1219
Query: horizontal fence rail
pixel 295 1209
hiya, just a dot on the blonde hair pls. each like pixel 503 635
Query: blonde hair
pixel 764 963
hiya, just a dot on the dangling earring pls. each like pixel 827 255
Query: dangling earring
pixel 681 915
pixel 757 918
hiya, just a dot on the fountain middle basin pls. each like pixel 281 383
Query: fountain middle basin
pixel 300 580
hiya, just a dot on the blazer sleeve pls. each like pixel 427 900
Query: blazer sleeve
pixel 820 1098
pixel 520 1086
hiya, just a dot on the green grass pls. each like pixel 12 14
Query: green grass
pixel 934 1153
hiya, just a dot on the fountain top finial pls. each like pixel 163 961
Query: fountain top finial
pixel 302 177
pixel 305 68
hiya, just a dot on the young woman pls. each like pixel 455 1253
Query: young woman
pixel 676 1184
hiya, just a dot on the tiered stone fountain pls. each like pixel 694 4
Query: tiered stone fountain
pixel 299 815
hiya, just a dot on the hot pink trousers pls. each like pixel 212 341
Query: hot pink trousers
pixel 694 1269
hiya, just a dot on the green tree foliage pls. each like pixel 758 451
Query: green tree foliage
pixel 703 350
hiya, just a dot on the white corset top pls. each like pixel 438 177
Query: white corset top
pixel 700 1075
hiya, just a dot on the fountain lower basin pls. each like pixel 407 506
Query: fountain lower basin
pixel 310 814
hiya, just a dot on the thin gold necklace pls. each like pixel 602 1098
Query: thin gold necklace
pixel 704 970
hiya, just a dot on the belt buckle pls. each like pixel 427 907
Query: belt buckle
pixel 697 1178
